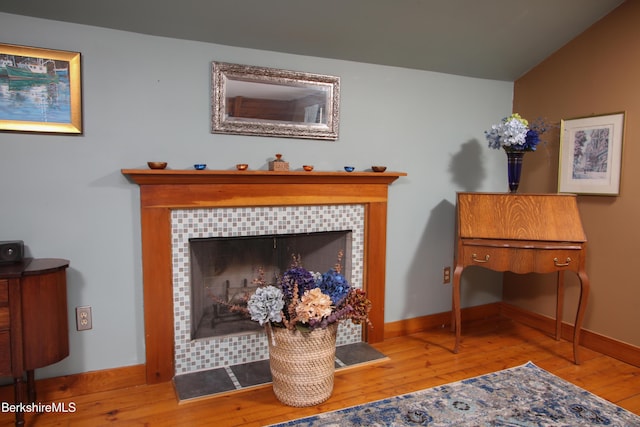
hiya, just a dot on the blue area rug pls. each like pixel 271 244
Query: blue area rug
pixel 524 396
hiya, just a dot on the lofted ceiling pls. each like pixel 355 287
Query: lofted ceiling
pixel 493 39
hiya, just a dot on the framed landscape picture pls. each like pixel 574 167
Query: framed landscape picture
pixel 591 155
pixel 40 90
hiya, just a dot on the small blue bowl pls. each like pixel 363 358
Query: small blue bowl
pixel 199 166
pixel 349 168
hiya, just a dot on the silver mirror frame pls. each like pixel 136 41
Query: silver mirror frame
pixel 222 72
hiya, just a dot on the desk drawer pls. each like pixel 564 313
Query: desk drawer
pixel 5 354
pixel 4 318
pixel 4 291
pixel 522 260
pixel 4 304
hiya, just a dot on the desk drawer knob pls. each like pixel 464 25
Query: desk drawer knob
pixel 560 264
pixel 474 257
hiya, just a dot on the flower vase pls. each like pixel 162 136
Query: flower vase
pixel 514 168
pixel 302 364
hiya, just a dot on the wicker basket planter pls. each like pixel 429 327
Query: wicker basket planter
pixel 302 364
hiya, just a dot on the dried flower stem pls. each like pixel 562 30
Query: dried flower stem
pixel 338 266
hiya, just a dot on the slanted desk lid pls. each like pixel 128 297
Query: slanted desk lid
pixel 550 217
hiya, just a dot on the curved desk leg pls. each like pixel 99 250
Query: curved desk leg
pixel 457 322
pixel 559 304
pixel 582 305
pixel 453 313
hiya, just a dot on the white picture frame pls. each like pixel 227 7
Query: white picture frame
pixel 591 154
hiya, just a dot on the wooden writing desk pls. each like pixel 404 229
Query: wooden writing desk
pixel 522 233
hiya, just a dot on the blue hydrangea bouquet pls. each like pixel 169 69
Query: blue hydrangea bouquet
pixel 307 300
pixel 515 133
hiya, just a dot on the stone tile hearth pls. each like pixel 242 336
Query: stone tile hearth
pixel 253 374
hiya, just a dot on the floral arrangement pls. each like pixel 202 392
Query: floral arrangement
pixel 514 133
pixel 307 300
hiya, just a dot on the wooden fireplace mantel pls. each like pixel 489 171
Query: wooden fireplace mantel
pixel 164 190
pixel 171 176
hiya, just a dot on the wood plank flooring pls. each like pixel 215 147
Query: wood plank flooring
pixel 415 362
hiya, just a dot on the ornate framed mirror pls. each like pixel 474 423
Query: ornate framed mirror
pixel 249 100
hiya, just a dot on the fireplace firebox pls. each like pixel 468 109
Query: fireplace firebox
pixel 224 271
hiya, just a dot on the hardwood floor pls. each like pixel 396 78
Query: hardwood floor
pixel 417 361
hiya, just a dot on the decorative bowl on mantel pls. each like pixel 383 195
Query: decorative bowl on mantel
pixel 242 166
pixel 378 168
pixel 157 165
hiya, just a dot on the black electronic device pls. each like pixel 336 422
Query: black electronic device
pixel 11 251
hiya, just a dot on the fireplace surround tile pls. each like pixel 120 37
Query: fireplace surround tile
pixel 216 352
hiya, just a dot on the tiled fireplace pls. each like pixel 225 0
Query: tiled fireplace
pixel 194 354
pixel 243 203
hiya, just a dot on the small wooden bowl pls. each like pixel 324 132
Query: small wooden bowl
pixel 378 168
pixel 308 168
pixel 157 165
pixel 242 166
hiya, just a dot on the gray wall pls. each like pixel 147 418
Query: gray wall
pixel 147 98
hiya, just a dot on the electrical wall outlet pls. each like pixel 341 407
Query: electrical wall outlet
pixel 446 275
pixel 83 318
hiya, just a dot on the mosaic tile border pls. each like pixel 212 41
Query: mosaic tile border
pixel 197 355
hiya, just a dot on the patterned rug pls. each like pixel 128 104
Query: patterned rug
pixel 524 396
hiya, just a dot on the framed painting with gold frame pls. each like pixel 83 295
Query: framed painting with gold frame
pixel 591 154
pixel 40 90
